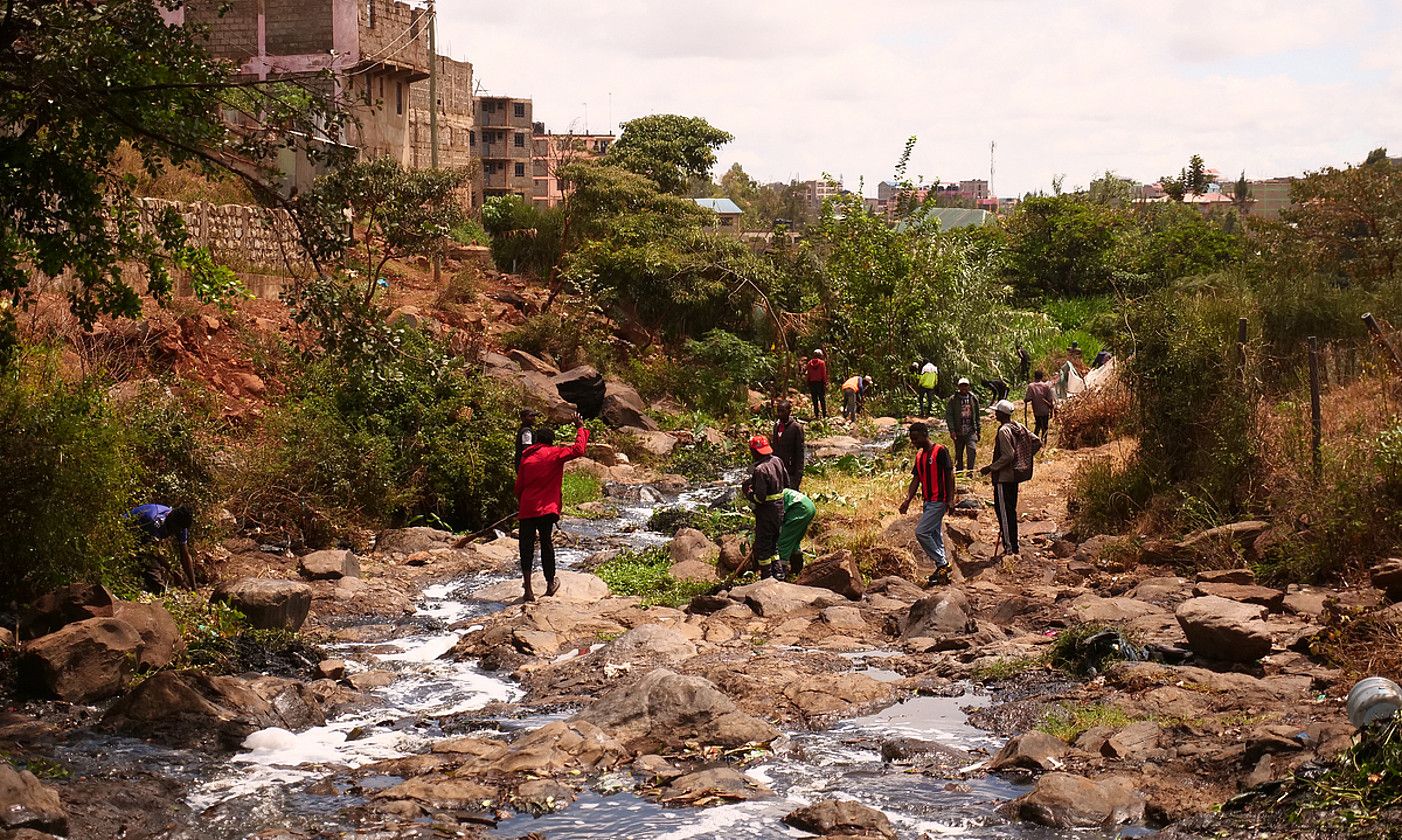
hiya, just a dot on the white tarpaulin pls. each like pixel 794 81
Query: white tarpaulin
pixel 1069 383
pixel 1103 375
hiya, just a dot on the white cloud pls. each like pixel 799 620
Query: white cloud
pixel 1269 86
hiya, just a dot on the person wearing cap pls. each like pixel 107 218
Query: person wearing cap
pixel 816 374
pixel 538 489
pixel 962 416
pixel 934 480
pixel 788 442
pixel 1004 475
pixel 925 386
pixel 765 490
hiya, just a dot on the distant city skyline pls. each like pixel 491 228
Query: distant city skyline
pixel 1272 87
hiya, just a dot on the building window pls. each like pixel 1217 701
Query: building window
pixel 519 109
pixel 472 138
pixel 520 141
pixel 520 170
pixel 370 13
pixel 399 97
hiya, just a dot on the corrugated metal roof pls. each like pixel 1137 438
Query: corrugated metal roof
pixel 723 206
pixel 955 217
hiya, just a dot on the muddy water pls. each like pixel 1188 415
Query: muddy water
pixel 305 782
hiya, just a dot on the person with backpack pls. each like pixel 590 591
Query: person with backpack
pixel 1014 448
pixel 816 373
pixel 934 480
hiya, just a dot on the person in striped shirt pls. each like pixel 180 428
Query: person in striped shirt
pixel 934 479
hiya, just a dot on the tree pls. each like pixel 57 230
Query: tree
pixel 738 186
pixel 79 79
pixel 1242 191
pixel 1112 190
pixel 1175 187
pixel 1195 177
pixel 404 212
pixel 1063 244
pixel 671 150
pixel 1377 156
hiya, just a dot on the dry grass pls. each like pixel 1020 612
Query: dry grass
pixel 181 183
pixel 1093 418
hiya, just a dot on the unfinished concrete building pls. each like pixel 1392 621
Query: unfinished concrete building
pixel 456 138
pixel 504 147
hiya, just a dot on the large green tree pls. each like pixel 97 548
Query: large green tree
pixel 79 79
pixel 671 150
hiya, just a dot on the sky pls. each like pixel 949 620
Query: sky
pixel 1064 88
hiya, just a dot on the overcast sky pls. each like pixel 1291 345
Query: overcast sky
pixel 1272 87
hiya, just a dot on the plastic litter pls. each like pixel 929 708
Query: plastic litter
pixel 1373 699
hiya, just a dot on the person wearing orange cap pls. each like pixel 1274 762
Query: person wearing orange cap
pixel 765 490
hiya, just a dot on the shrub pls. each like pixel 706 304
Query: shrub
pixel 1106 498
pixel 172 439
pixel 1093 417
pixel 70 478
pixel 568 341
pixel 578 488
pixel 524 238
pixel 646 574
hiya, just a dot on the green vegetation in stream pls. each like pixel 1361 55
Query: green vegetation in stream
pixel 646 574
pixel 1067 721
pixel 713 522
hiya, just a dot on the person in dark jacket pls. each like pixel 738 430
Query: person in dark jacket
pixel 525 434
pixel 1004 476
pixel 1024 363
pixel 157 523
pixel 787 442
pixel 765 490
pixel 538 484
pixel 998 387
pixel 963 418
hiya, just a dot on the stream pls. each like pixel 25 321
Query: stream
pixel 304 783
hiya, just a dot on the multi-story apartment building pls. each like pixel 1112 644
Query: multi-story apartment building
pixel 455 118
pixel 504 146
pixel 975 190
pixel 1269 196
pixel 818 191
pixel 551 151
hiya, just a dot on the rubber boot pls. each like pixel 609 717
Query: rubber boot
pixel 796 564
pixel 780 572
pixel 766 571
pixel 552 588
pixel 528 594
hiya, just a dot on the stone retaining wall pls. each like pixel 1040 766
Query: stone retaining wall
pixel 244 238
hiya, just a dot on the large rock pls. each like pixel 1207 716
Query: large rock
pixel 943 613
pixel 1033 750
pixel 732 555
pixel 84 662
pixel 413 540
pixel 1061 800
pixel 160 636
pixel 690 545
pixel 711 784
pixel 841 817
pixel 1225 630
pixel 267 603
pixel 584 387
pixel 650 644
pixel 535 388
pixel 63 606
pixel 837 572
pixel 578 587
pixel 657 444
pixel 332 564
pixel 190 708
pixel 1263 596
pixel 533 363
pixel 1093 609
pixel 1387 576
pixel 775 598
pixel 665 710
pixel 624 407
pixel 26 803
pixel 1240 533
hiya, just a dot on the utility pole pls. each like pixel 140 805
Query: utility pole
pixel 432 86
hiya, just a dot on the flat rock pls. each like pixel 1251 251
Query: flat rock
pixel 1133 741
pixel 1272 599
pixel 841 818
pixel 577 587
pixel 651 644
pixel 190 708
pixel 836 572
pixel 332 564
pixel 714 783
pixel 1032 750
pixel 1061 800
pixel 1242 576
pixel 410 540
pixel 268 603
pixel 1092 608
pixel 665 710
pixel 772 598
pixel 1225 630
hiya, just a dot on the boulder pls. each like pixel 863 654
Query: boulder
pixel 82 663
pixel 1033 750
pixel 657 444
pixel 408 316
pixel 841 817
pixel 438 790
pixel 584 387
pixel 413 540
pixel 1061 800
pixel 732 555
pixel 160 636
pixel 624 407
pixel 190 708
pixel 332 564
pixel 1224 630
pixel 1387 576
pixel 63 606
pixel 331 669
pixel 1133 741
pixel 943 613
pixel 650 644
pixel 665 710
pixel 692 570
pixel 835 446
pixel 712 783
pixel 1092 608
pixel 847 620
pixel 267 603
pixel 1272 599
pixel 561 747
pixel 1243 577
pixel 578 587
pixel 533 363
pixel 837 572
pixel 26 803
pixel 690 545
pixel 772 598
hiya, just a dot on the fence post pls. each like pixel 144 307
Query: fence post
pixel 1241 350
pixel 1391 352
pixel 1316 418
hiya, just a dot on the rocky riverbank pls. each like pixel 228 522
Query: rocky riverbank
pixel 441 706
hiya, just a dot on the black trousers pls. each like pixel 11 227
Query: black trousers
pixel 927 401
pixel 1041 423
pixel 819 392
pixel 769 519
pixel 1005 505
pixel 531 528
pixel 965 446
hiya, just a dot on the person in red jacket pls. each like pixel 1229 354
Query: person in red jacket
pixel 538 489
pixel 816 373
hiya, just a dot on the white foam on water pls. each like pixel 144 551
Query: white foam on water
pixel 322 745
pixel 715 820
pixel 422 649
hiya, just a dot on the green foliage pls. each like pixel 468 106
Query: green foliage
pixel 210 281
pixel 703 461
pixel 70 478
pixel 669 149
pixel 645 574
pixel 525 239
pixel 172 440
pixel 569 340
pixel 1358 795
pixel 1063 245
pixel 81 80
pixel 470 232
pixel 1068 721
pixel 578 488
pixel 1006 668
pixel 713 522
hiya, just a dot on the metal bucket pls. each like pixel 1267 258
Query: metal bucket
pixel 1373 699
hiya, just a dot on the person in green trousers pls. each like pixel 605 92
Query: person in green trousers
pixel 798 515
